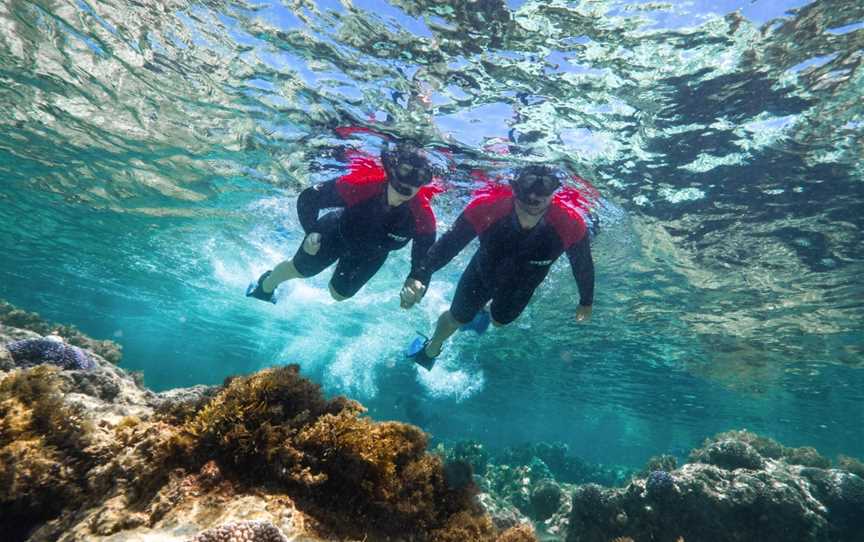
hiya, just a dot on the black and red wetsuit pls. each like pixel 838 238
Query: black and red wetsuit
pixel 364 228
pixel 511 261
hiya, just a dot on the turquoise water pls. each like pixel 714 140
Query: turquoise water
pixel 150 158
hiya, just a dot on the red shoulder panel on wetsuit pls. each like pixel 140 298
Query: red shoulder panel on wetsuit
pixel 365 179
pixel 421 208
pixel 566 216
pixel 490 204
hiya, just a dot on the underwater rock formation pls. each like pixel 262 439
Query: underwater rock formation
pixel 16 319
pixel 245 531
pixel 565 468
pixel 92 455
pixel 741 487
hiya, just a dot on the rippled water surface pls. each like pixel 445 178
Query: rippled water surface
pixel 150 154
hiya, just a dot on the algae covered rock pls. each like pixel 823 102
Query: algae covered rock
pixel 13 317
pixel 244 531
pixel 471 452
pixel 561 465
pixel 729 454
pixel 43 448
pixel 546 499
pixel 731 447
pixel 504 515
pixel 732 493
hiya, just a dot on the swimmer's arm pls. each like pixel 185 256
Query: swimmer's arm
pixel 313 199
pixel 445 249
pixel 413 290
pixel 582 265
pixel 419 252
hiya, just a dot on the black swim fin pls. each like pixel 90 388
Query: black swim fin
pixel 256 290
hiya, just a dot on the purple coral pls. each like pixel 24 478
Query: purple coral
pixel 660 482
pixel 29 352
pixel 243 531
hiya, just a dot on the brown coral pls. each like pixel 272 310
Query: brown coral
pixel 269 433
pixel 250 424
pixel 465 526
pixel 275 429
pixel 518 533
pixel 379 471
pixel 42 448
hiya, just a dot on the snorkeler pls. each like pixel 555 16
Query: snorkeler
pixel 380 210
pixel 523 229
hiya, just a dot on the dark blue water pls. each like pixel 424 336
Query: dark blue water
pixel 150 160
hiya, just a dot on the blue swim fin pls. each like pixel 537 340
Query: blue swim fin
pixel 256 290
pixel 417 351
pixel 479 324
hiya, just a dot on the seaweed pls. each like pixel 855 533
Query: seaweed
pixel 43 460
pixel 275 430
pixel 465 526
pixel 518 533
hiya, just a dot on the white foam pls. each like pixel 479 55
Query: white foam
pixel 349 342
pixel 450 378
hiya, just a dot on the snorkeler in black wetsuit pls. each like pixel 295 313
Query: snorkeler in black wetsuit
pixel 380 210
pixel 522 231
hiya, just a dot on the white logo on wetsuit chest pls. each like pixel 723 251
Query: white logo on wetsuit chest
pixel 540 262
pixel 396 237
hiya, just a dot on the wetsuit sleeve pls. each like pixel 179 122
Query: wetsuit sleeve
pixel 419 251
pixel 582 265
pixel 445 249
pixel 313 199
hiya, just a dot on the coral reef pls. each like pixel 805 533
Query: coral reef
pixel 43 449
pixel 664 462
pixel 245 531
pixel 564 467
pixel 851 464
pixel 276 428
pixel 52 349
pixel 471 452
pixel 91 455
pixel 16 318
pixel 504 514
pixel 546 499
pixel 519 533
pixel 748 448
pixel 730 493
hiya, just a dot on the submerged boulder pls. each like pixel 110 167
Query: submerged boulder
pixel 732 493
pixel 546 499
pixel 730 454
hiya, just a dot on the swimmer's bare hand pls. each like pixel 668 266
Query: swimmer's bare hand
pixel 583 313
pixel 412 292
pixel 312 244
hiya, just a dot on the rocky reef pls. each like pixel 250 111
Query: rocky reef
pixel 90 454
pixel 14 318
pixel 738 486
